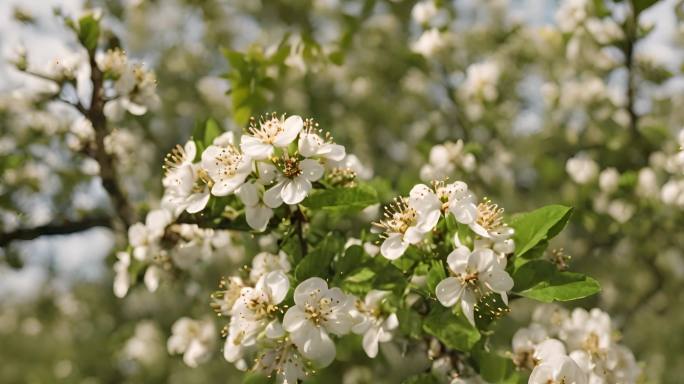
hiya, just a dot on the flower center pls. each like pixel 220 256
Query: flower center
pixel 268 129
pixel 291 167
pixel 489 215
pixel 261 308
pixel 399 216
pixel 175 159
pixel 228 161
pixel 318 314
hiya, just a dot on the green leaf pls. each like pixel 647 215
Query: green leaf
pixel 421 378
pixel 342 200
pixel 540 280
pixel 88 31
pixel 410 323
pixel 351 259
pixel 317 262
pixel 435 275
pixel 256 378
pixel 452 330
pixel 641 5
pixel 541 224
pixel 212 130
pixel 492 367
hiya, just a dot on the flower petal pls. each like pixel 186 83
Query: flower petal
pixel 393 247
pixel 449 291
pixel 255 148
pixel 312 170
pixel 295 190
pixel 291 128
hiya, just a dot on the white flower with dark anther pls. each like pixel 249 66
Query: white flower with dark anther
pixel 265 262
pixel 372 324
pixel 560 369
pixel 144 238
pixel 227 168
pixel 255 312
pixel 312 145
pixel 462 205
pixel 351 162
pixel 581 168
pixel 283 358
pixel 493 232
pixel 318 311
pixel 194 339
pixel 525 341
pixel 400 226
pixel 473 275
pixel 428 207
pixel 135 92
pixel 257 213
pixel 272 133
pixel 293 178
pixel 186 184
pixel 224 300
pixel 122 279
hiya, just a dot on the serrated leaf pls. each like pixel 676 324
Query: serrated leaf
pixel 454 331
pixel 540 280
pixel 541 224
pixel 342 199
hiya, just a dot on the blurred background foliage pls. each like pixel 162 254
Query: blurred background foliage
pixel 544 95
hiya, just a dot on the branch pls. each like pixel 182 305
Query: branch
pixel 106 162
pixel 63 228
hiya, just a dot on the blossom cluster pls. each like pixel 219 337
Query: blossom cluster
pixel 475 271
pixel 276 162
pixel 130 87
pixel 579 347
pixel 292 334
pixel 160 247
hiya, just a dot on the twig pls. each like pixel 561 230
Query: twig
pixel 63 228
pixel 106 162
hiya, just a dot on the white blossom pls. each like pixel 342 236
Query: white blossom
pixel 271 133
pixel 194 339
pixel 265 262
pixel 372 324
pixel 581 169
pixel 473 275
pixel 227 167
pixel 318 312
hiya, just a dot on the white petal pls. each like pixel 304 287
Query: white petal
pixel 393 247
pixel 248 194
pixel 190 149
pixel 449 291
pixel 458 259
pixel 498 280
pixel 226 186
pixel 308 144
pixel 294 319
pixel 152 277
pixel 274 330
pixel 310 288
pixel 295 190
pixel 481 259
pixel 413 235
pixel 267 172
pixel 197 201
pixel 258 217
pixel 464 213
pixel 272 197
pixel 312 170
pixel 334 152
pixel 255 148
pixel 278 285
pixel 468 302
pixel 370 342
pixel 291 128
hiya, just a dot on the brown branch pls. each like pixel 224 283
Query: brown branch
pixel 63 228
pixel 95 114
